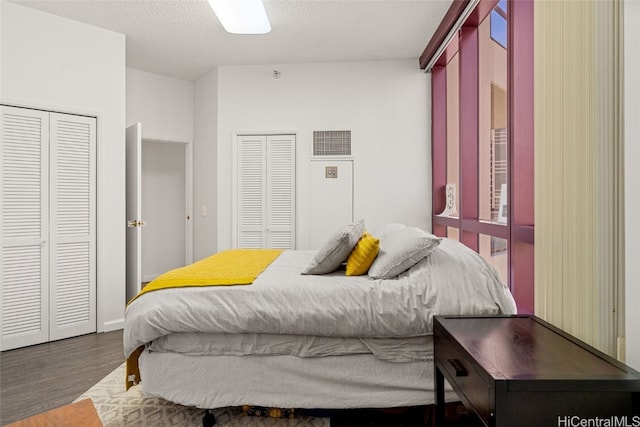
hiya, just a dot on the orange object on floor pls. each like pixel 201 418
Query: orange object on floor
pixel 78 414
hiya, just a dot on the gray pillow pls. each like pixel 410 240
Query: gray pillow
pixel 387 229
pixel 336 251
pixel 401 250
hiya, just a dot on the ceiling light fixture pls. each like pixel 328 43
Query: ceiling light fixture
pixel 242 16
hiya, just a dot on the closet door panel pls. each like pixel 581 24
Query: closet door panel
pixel 281 191
pixel 73 225
pixel 24 178
pixel 251 189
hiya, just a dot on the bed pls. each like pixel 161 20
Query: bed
pixel 302 334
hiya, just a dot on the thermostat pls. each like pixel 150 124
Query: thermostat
pixel 331 172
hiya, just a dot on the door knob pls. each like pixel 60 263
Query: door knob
pixel 135 223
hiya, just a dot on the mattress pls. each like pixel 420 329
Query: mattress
pixel 353 381
pixel 396 350
pixel 452 280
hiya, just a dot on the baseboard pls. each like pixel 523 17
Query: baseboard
pixel 113 325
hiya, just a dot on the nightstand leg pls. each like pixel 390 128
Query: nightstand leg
pixel 440 409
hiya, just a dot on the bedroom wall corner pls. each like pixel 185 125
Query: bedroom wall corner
pixel 205 165
pixel 58 64
pixel 632 177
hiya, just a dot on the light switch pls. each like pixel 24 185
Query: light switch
pixel 203 210
pixel 331 172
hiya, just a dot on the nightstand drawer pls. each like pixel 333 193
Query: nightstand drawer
pixel 466 381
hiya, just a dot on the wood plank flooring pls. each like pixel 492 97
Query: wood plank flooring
pixel 45 376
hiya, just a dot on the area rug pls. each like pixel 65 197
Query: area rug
pixel 118 407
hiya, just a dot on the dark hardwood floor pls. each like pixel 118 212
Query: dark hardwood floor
pixel 45 376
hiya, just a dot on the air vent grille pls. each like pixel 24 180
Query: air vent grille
pixel 332 143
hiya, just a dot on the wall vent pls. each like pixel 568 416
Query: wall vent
pixel 332 143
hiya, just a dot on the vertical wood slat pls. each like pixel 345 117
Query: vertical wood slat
pixel 574 169
pixel 609 173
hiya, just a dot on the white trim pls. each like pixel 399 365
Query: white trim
pixel 50 108
pixel 189 201
pixel 113 325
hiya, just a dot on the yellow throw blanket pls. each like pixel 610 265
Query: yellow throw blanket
pixel 231 267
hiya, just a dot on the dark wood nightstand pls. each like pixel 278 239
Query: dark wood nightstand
pixel 521 371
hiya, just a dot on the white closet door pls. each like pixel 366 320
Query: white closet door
pixel 251 188
pixel 24 275
pixel 73 225
pixel 281 191
pixel 266 191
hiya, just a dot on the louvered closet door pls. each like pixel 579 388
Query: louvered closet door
pixel 73 226
pixel 266 191
pixel 280 209
pixel 252 172
pixel 24 275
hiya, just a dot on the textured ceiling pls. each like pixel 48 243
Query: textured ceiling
pixel 183 38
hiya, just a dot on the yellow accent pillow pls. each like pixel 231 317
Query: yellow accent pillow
pixel 363 255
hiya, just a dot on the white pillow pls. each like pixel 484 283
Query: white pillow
pixel 401 250
pixel 336 251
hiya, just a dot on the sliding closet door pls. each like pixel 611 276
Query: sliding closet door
pixel 24 237
pixel 73 225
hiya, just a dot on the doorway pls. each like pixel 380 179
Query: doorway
pixel 164 202
pixel 160 204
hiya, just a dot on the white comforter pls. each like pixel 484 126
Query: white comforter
pixel 452 280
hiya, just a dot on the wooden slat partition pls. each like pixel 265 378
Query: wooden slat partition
pixel 578 191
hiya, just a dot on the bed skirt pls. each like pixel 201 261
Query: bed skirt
pixel 333 382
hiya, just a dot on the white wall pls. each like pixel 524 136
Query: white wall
pixel 205 165
pixel 632 178
pixel 384 104
pixel 58 64
pixel 164 106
